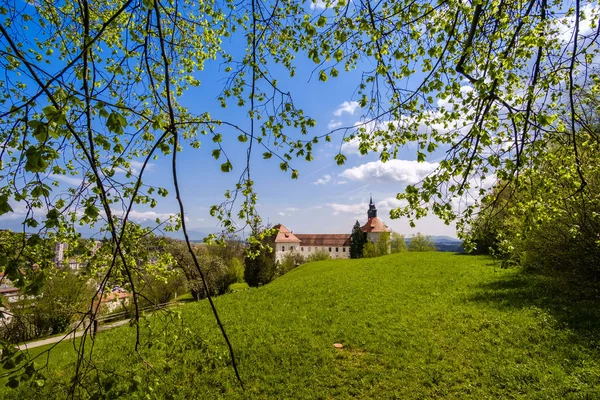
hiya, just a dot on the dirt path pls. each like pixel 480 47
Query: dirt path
pixel 69 336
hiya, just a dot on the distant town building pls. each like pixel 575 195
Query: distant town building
pixel 59 253
pixel 337 245
pixel 74 263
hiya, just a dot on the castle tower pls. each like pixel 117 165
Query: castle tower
pixel 372 213
pixel 374 226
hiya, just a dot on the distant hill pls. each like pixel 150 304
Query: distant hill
pixel 445 243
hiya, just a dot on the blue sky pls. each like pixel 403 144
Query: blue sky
pixel 326 198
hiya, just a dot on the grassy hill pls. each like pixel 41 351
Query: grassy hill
pixel 413 326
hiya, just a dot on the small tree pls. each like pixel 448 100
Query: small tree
pixel 370 250
pixel 260 266
pixel 397 243
pixel 421 242
pixel 357 241
pixel 383 243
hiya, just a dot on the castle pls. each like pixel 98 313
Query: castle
pixel 337 245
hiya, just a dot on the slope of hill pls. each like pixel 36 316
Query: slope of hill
pixel 412 325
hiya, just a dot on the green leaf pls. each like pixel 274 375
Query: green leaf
pixel 91 211
pixel 267 155
pixel 54 115
pixel 338 55
pixel 295 174
pixel 242 138
pixel 52 218
pixel 35 162
pixel 4 205
pixel 226 167
pixel 340 159
pixel 216 153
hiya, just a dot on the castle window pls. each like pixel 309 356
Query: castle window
pixel 330 249
pixel 301 248
pixel 337 249
pixel 282 248
pixel 343 249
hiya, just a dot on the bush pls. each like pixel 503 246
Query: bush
pixel 547 221
pixel 379 248
pixel 159 288
pixel 370 250
pixel 290 261
pixel 64 297
pixel 235 270
pixel 421 242
pixel 397 243
pixel 320 255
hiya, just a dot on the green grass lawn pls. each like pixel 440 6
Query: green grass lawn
pixel 413 326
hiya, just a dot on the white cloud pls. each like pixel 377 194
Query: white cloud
pixel 349 107
pixel 341 182
pixel 564 27
pixel 351 147
pixel 322 180
pixel 394 171
pixel 135 167
pixel 333 124
pixel 321 5
pixel 71 180
pixel 19 211
pixel 390 203
pixel 432 121
pixel 354 209
pixel 281 214
pixel 142 216
pixel 292 209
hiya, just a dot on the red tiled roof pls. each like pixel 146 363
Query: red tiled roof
pixel 375 225
pixel 285 235
pixel 115 295
pixel 333 239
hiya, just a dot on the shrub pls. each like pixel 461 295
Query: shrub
pixel 162 287
pixel 379 248
pixel 320 255
pixel 64 296
pixel 236 270
pixel 290 261
pixel 370 250
pixel 421 242
pixel 397 243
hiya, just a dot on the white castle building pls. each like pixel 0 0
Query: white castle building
pixel 337 245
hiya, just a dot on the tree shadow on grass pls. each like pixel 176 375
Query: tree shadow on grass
pixel 575 304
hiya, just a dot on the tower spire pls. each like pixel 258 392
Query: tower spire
pixel 372 213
